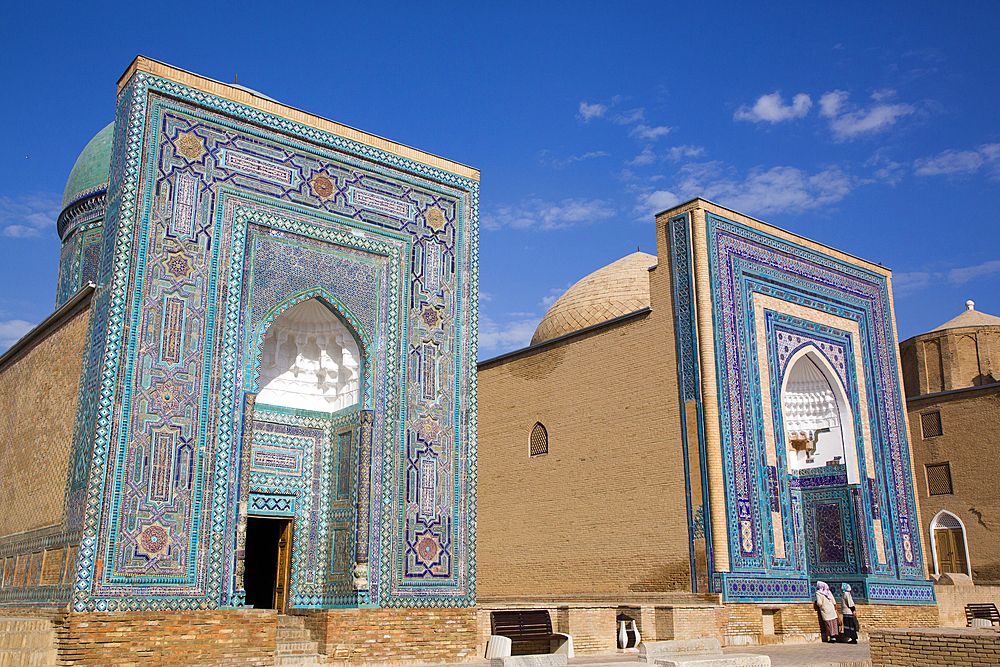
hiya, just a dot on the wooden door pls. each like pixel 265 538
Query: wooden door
pixel 950 544
pixel 284 567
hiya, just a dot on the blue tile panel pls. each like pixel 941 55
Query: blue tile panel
pixel 838 526
pixel 220 217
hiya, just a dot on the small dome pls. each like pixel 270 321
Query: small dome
pixel 618 289
pixel 90 173
pixel 970 317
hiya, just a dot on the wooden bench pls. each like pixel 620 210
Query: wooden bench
pixel 986 611
pixel 524 625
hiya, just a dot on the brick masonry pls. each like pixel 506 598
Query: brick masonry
pixel 179 639
pixel 38 391
pixel 606 512
pixel 744 624
pixel 939 647
pixel 396 635
pixel 954 372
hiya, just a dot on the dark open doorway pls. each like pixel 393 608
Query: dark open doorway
pixel 266 562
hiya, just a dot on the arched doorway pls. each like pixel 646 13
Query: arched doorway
pixel 821 458
pixel 310 370
pixel 951 551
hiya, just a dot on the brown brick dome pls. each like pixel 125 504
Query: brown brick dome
pixel 618 289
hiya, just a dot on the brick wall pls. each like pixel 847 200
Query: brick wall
pixel 968 449
pixel 939 647
pixel 604 511
pixel 742 624
pixel 398 635
pixel 168 639
pixel 38 390
pixel 952 600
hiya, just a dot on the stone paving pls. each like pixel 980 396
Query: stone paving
pixel 815 654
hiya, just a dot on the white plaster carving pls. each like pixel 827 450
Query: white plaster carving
pixel 309 360
pixel 360 576
pixel 811 412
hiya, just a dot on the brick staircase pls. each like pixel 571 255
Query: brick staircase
pixel 294 644
pixel 27 642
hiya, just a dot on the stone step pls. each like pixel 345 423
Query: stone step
pixel 703 660
pixel 293 634
pixel 24 624
pixel 26 640
pixel 285 621
pixel 304 646
pixel 299 659
pixel 28 657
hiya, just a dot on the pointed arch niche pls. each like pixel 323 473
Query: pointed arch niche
pixel 309 360
pixel 948 544
pixel 816 414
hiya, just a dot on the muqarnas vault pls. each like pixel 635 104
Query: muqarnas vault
pixel 277 404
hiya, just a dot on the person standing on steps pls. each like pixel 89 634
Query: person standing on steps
pixel 851 625
pixel 827 606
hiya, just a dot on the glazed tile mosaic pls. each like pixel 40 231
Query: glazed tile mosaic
pixel 219 219
pixel 773 304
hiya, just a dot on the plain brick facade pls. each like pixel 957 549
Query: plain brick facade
pixel 951 372
pixel 941 647
pixel 38 392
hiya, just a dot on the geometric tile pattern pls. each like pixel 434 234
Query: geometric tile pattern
pixel 747 266
pixel 220 217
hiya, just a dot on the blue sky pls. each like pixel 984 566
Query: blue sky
pixel 870 127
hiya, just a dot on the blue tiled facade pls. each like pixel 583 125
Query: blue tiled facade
pixel 783 529
pixel 213 219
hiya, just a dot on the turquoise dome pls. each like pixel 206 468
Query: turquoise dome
pixel 90 173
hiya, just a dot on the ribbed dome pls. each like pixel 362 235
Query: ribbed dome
pixel 970 317
pixel 618 289
pixel 90 173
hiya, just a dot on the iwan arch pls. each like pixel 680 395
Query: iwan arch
pixel 271 319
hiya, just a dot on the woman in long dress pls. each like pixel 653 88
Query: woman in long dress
pixel 827 606
pixel 847 611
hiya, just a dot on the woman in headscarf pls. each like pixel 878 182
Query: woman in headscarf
pixel 827 606
pixel 847 610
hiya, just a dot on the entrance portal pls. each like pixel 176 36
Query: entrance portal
pixel 266 562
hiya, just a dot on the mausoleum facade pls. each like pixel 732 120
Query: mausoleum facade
pixel 272 320
pixel 726 426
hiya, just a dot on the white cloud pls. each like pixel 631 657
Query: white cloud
pixel 908 282
pixel 963 275
pixel 538 214
pixel 887 170
pixel 554 294
pixel 629 117
pixel 654 202
pixel 29 216
pixel 772 109
pixel 675 153
pixel 831 103
pixel 957 162
pixel 11 331
pixel 559 164
pixel 650 133
pixel 590 111
pixel 511 335
pixel 776 190
pixel 647 156
pixel 847 126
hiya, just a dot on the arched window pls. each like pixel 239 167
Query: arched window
pixel 817 417
pixel 309 360
pixel 951 553
pixel 539 443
